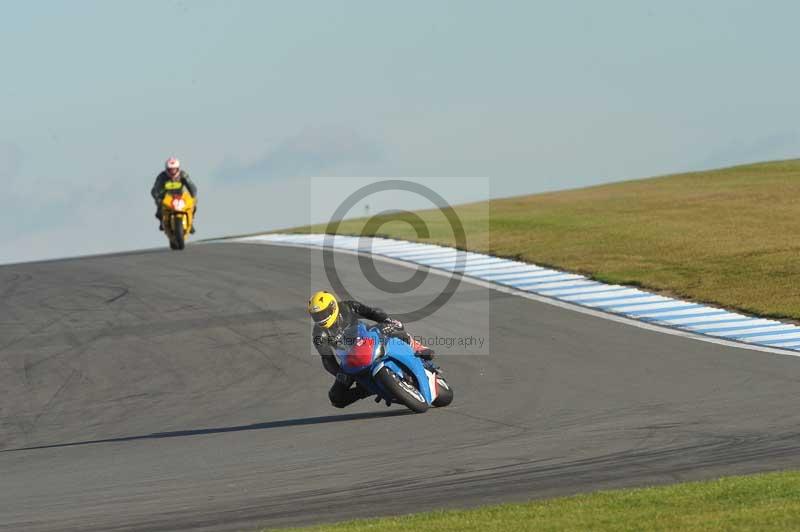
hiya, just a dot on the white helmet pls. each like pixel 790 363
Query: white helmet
pixel 172 162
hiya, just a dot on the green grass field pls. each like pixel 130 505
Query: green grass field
pixel 729 237
pixel 758 503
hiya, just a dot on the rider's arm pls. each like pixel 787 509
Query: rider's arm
pixel 367 312
pixel 158 187
pixel 188 183
pixel 330 364
pixel 326 353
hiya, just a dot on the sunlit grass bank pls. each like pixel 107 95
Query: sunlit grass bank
pixel 728 236
pixel 769 502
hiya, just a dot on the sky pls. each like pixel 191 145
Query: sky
pixel 271 106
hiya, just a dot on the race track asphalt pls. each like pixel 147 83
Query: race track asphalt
pixel 178 391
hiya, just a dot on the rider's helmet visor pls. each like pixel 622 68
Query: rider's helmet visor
pixel 323 317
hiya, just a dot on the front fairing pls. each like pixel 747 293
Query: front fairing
pixel 186 204
pixel 358 348
pixel 400 358
pixel 177 208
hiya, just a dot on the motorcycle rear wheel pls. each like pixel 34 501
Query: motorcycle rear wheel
pixel 445 393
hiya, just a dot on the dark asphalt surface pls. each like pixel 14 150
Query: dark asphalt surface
pixel 176 391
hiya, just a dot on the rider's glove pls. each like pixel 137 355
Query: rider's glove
pixel 390 325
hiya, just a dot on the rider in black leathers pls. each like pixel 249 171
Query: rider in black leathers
pixel 342 333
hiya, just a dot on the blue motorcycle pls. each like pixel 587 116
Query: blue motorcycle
pixel 387 367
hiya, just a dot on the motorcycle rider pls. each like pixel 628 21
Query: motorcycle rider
pixel 172 173
pixel 336 326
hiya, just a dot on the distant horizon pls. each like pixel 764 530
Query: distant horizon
pixel 203 240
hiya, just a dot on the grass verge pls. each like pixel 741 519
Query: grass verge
pixel 729 237
pixel 758 502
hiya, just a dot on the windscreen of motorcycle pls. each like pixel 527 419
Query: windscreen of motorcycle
pixel 361 352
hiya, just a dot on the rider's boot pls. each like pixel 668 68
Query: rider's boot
pixel 425 353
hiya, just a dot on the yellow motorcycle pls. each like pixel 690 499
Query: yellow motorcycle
pixel 177 214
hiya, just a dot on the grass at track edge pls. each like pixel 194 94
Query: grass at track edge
pixel 763 502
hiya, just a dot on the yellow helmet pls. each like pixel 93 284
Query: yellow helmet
pixel 323 309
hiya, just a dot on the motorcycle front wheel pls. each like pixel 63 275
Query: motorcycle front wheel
pixel 402 391
pixel 177 224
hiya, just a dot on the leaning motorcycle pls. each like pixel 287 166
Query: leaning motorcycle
pixel 388 367
pixel 177 216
